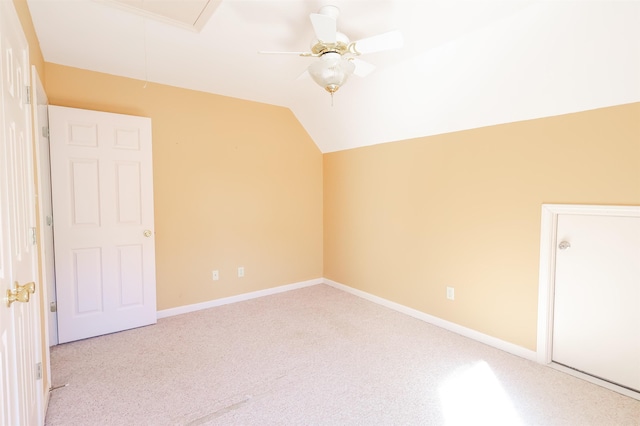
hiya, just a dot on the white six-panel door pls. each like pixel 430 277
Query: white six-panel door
pixel 20 393
pixel 102 191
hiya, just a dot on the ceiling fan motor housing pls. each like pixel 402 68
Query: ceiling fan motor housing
pixel 341 46
pixel 330 10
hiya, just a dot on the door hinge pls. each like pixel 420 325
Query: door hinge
pixel 33 236
pixel 39 371
pixel 53 307
pixel 27 94
pixel 45 131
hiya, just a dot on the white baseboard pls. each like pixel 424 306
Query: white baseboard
pixel 439 322
pixel 233 299
pixel 447 325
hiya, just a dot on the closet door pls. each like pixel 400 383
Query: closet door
pixel 596 314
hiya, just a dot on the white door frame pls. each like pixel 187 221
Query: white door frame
pixel 546 285
pixel 40 120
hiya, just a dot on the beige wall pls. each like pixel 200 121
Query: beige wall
pixel 236 183
pixel 405 220
pixel 35 54
pixel 239 183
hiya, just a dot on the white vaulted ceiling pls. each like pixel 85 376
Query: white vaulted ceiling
pixel 464 64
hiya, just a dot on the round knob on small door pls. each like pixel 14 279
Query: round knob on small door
pixel 564 245
pixel 147 233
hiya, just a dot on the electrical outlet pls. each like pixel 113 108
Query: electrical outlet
pixel 450 293
pixel 240 271
pixel 215 276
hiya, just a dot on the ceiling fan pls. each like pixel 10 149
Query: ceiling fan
pixel 337 56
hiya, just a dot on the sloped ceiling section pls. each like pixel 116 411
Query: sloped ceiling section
pixel 464 64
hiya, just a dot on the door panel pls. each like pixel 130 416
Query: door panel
pixel 102 203
pixel 85 204
pixel 128 191
pixel 87 278
pixel 596 325
pixel 130 274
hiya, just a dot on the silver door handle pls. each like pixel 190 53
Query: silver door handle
pixel 564 245
pixel 147 233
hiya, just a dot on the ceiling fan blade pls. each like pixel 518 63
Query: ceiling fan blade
pixel 380 42
pixel 363 68
pixel 325 27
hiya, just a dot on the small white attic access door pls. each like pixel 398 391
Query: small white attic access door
pixel 102 193
pixel 189 14
pixel 589 301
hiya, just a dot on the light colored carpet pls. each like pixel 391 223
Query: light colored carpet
pixel 314 356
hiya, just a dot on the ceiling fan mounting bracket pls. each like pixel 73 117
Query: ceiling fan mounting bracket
pixel 320 48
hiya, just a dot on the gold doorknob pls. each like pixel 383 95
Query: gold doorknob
pixel 147 233
pixel 20 293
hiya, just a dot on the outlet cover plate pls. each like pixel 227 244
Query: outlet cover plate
pixel 450 293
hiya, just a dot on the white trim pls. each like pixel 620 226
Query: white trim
pixel 548 229
pixel 592 379
pixel 546 281
pixel 233 299
pixel 39 98
pixel 439 322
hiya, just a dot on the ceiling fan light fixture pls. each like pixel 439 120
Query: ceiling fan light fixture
pixel 331 71
pixel 337 56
